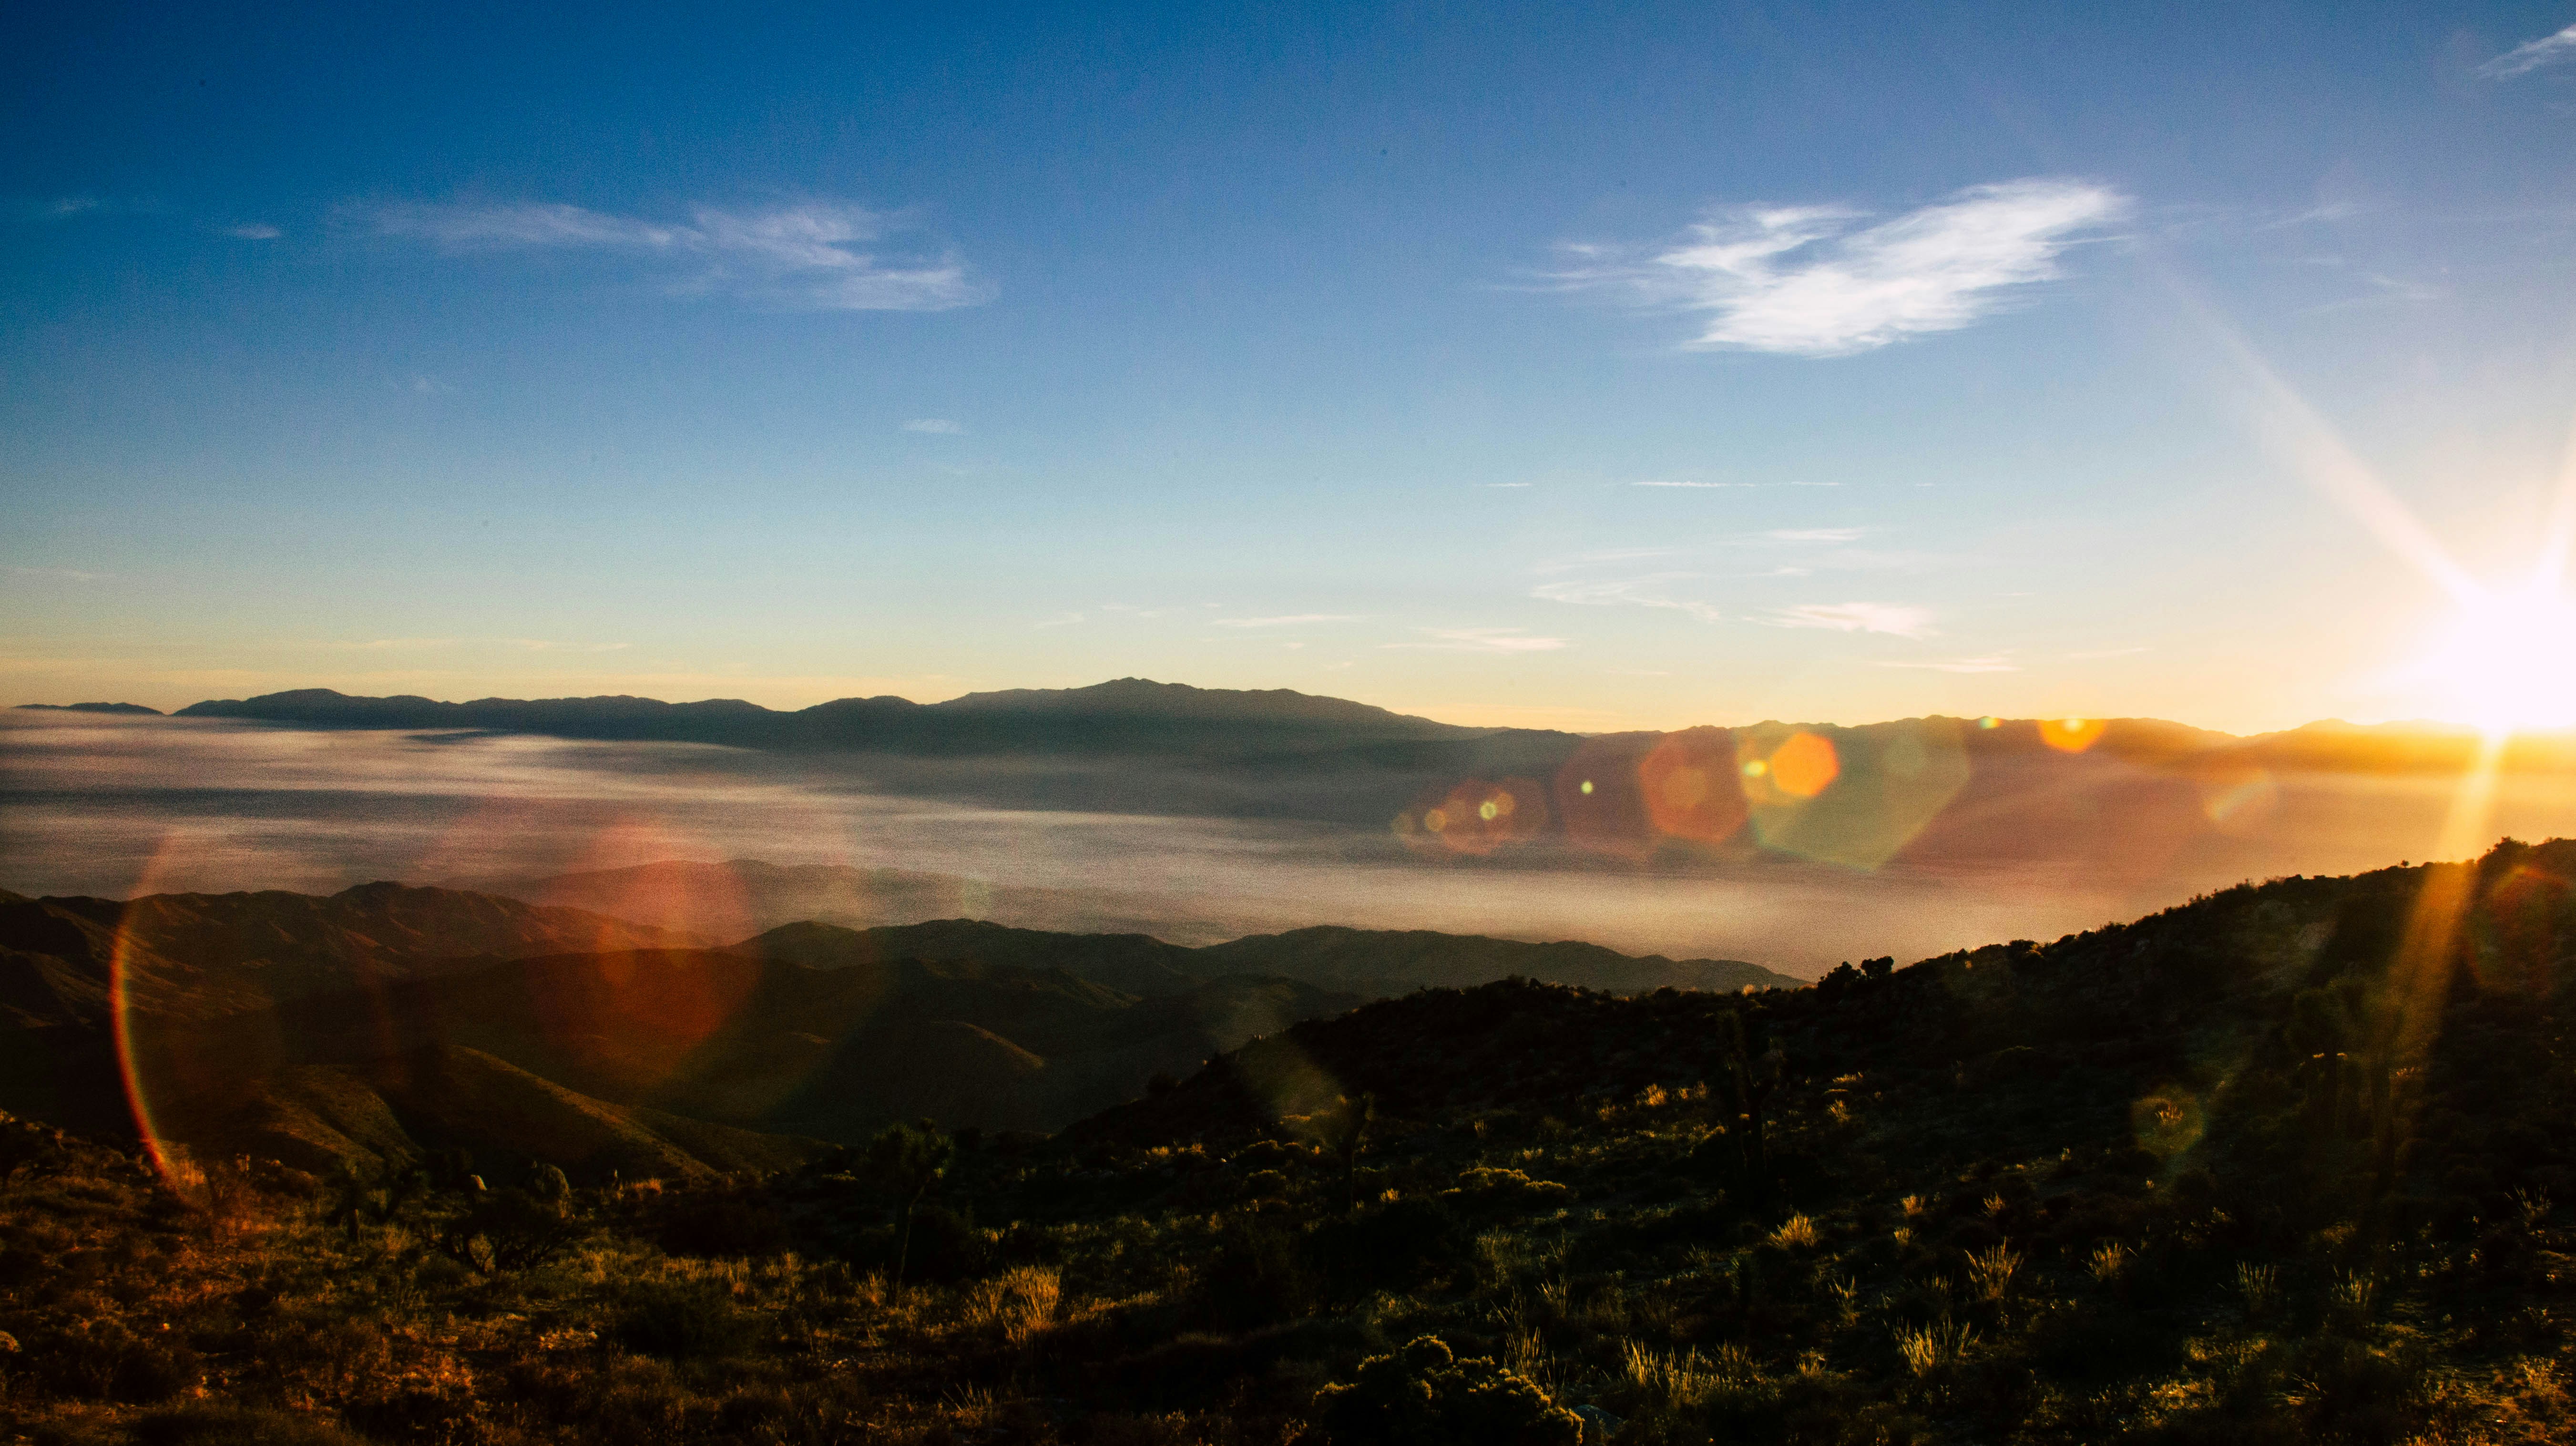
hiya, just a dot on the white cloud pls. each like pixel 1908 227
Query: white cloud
pixel 1816 281
pixel 1855 617
pixel 1061 620
pixel 1480 640
pixel 815 256
pixel 1504 484
pixel 1642 592
pixel 1711 486
pixel 2531 55
pixel 1288 621
pixel 60 574
pixel 1814 534
pixel 935 426
pixel 254 231
pixel 1994 664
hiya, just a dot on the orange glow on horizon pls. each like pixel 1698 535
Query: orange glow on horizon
pixel 2071 735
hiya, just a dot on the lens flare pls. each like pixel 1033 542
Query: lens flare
pixel 1476 817
pixel 1856 797
pixel 1688 784
pixel 1600 801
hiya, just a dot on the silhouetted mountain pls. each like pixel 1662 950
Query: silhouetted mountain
pixel 737 899
pixel 208 954
pixel 1384 961
pixel 95 708
pixel 1125 716
pixel 296 1026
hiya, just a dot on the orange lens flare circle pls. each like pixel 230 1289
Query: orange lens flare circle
pixel 1476 817
pixel 1687 782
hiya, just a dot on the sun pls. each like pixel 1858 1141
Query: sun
pixel 2508 662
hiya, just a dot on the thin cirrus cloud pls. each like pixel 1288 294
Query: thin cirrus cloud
pixel 1855 617
pixel 934 426
pixel 1996 663
pixel 253 231
pixel 1480 640
pixel 1289 620
pixel 2531 55
pixel 1823 281
pixel 812 256
pixel 1649 591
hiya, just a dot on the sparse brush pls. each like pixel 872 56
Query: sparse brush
pixel 2257 1285
pixel 1017 1304
pixel 1846 1293
pixel 2110 1262
pixel 2352 1297
pixel 1912 1205
pixel 1933 1347
pixel 1798 1232
pixel 1992 1270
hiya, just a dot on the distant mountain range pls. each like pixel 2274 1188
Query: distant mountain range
pixel 388 1020
pixel 737 899
pixel 1136 746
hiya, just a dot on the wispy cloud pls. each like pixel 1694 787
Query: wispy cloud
pixel 817 256
pixel 1481 640
pixel 253 231
pixel 1289 620
pixel 1819 281
pixel 1993 664
pixel 1855 617
pixel 2531 55
pixel 1710 486
pixel 1813 534
pixel 935 426
pixel 58 574
pixel 1504 484
pixel 1060 620
pixel 1649 591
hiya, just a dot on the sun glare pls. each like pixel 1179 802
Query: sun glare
pixel 2509 661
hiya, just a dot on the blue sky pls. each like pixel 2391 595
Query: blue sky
pixel 1506 363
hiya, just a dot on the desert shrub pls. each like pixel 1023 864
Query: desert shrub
pixel 1255 1276
pixel 682 1322
pixel 237 1426
pixel 1481 1187
pixel 1395 1246
pixel 511 1230
pixel 1424 1394
pixel 946 1246
pixel 1016 1304
pixel 724 1226
pixel 105 1361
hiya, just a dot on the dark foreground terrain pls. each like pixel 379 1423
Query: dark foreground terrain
pixel 2291 1163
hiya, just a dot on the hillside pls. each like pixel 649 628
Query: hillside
pixel 742 897
pixel 1383 961
pixel 2285 1165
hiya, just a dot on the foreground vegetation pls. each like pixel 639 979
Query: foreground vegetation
pixel 2292 1163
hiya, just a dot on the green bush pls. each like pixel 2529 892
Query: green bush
pixel 1424 1395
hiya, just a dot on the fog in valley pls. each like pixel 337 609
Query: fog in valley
pixel 122 806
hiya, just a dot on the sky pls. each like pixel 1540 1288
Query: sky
pixel 1509 364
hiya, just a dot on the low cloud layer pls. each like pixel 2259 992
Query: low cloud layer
pixel 814 256
pixel 1821 281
